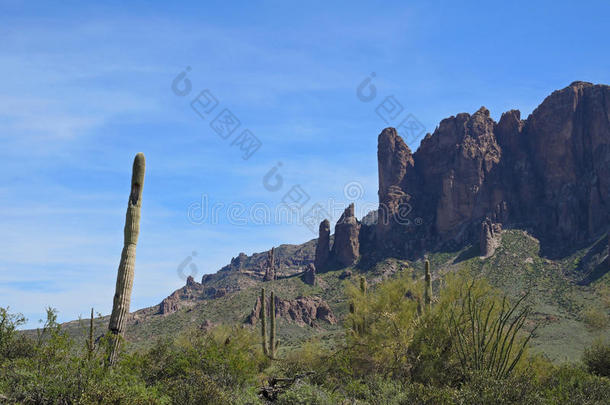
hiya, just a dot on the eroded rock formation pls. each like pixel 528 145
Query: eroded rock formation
pixel 309 275
pixel 346 246
pixel 548 174
pixel 323 246
pixel 302 310
pixel 270 266
pixel 490 237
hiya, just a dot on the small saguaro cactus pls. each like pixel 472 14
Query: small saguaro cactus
pixel 269 348
pixel 264 322
pixel 90 342
pixel 363 285
pixel 124 282
pixel 428 287
pixel 272 342
pixel 359 325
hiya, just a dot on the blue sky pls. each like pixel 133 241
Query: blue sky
pixel 85 87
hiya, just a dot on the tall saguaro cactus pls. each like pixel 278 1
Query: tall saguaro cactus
pixel 124 281
pixel 264 322
pixel 272 343
pixel 90 342
pixel 269 349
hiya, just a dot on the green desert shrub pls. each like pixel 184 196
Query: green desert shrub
pixel 484 389
pixel 469 326
pixel 198 367
pixel 595 318
pixel 597 358
pixel 303 393
pixel 12 345
pixel 572 385
pixel 376 390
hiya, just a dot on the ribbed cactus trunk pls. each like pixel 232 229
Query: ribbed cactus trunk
pixel 264 322
pixel 272 344
pixel 124 282
pixel 428 288
pixel 90 343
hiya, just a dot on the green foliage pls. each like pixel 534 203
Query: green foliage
pixel 597 358
pixel 595 318
pixel 572 385
pixel 11 346
pixel 305 394
pixel 467 347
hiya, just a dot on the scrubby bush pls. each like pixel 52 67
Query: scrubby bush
pixel 305 394
pixel 595 318
pixel 213 367
pixel 394 351
pixel 572 385
pixel 597 358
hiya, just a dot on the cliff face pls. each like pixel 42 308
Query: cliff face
pixel 548 174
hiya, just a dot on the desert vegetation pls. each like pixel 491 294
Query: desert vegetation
pixel 405 340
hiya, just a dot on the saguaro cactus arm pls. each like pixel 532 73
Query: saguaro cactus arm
pixel 125 275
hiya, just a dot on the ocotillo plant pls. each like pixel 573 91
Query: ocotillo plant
pixel 124 281
pixel 272 343
pixel 428 288
pixel 264 322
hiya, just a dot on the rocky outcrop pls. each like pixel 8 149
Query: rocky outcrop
pixel 547 174
pixel 490 237
pixel 309 275
pixel 302 310
pixel 169 305
pixel 192 291
pixel 323 246
pixel 270 266
pixel 289 260
pixel 346 246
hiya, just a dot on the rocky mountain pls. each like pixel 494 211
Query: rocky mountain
pixel 470 179
pixel 473 176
